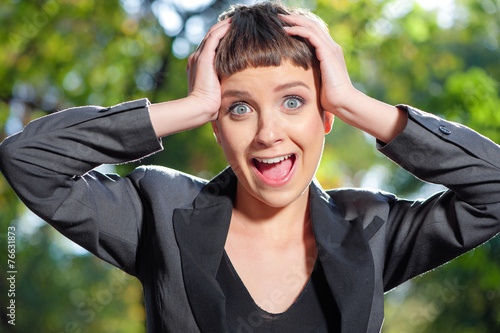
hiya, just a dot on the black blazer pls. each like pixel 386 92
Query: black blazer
pixel 169 229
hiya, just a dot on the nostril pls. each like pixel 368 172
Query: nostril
pixel 268 137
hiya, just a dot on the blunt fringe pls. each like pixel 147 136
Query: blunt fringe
pixel 256 38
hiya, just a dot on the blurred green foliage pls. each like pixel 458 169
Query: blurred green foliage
pixel 61 53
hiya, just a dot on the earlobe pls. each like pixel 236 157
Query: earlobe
pixel 329 118
pixel 215 129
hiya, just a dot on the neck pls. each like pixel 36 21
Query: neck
pixel 253 215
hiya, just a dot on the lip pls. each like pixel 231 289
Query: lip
pixel 275 182
pixel 273 159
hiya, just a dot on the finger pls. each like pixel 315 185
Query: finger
pixel 190 62
pixel 201 62
pixel 211 43
pixel 217 31
pixel 219 24
pixel 302 20
pixel 324 45
pixel 212 30
pixel 310 34
pixel 328 52
pixel 308 28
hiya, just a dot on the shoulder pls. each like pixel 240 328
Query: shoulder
pixel 355 201
pixel 155 172
pixel 360 195
pixel 164 182
pixel 159 175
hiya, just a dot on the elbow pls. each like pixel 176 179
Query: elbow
pixel 6 155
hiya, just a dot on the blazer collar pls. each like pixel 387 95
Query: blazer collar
pixel 346 258
pixel 201 233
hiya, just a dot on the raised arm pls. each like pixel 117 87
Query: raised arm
pixel 416 235
pixel 338 95
pixel 50 163
pixel 203 102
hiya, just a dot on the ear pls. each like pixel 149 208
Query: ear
pixel 215 128
pixel 329 118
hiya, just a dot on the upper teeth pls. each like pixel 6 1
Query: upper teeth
pixel 273 160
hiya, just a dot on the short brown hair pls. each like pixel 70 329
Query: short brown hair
pixel 256 38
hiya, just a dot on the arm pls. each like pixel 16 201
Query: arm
pixel 421 235
pixel 49 164
pixel 338 96
pixel 418 235
pixel 204 99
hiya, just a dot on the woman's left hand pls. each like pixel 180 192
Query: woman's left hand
pixel 335 81
pixel 338 96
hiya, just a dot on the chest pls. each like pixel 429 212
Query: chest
pixel 313 310
pixel 273 273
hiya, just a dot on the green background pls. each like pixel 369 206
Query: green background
pixel 439 56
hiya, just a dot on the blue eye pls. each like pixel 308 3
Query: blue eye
pixel 293 103
pixel 240 109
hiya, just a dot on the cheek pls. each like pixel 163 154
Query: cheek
pixel 311 130
pixel 234 140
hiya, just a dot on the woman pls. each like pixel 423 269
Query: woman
pixel 262 247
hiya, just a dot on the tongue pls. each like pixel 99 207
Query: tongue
pixel 275 170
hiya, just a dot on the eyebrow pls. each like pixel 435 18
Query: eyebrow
pixel 290 85
pixel 242 93
pixel 235 93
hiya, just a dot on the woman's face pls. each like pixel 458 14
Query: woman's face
pixel 271 128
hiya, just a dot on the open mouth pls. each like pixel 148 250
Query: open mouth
pixel 275 170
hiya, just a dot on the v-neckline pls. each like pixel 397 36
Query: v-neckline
pixel 249 295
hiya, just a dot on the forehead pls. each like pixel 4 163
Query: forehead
pixel 267 79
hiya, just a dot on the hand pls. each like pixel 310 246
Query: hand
pixel 338 96
pixel 204 93
pixel 203 83
pixel 336 85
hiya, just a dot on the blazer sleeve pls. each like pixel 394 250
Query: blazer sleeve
pixel 49 164
pixel 421 235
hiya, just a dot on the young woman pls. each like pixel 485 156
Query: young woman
pixel 261 247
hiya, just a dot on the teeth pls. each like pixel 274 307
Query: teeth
pixel 273 160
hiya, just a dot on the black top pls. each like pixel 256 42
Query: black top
pixel 313 311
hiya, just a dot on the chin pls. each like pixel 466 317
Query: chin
pixel 279 199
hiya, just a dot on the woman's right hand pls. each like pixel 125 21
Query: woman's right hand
pixel 204 93
pixel 203 83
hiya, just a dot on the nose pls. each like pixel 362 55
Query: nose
pixel 269 130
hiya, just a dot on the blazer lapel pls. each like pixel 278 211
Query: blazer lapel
pixel 346 258
pixel 201 233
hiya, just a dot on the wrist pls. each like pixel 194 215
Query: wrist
pixel 381 120
pixel 345 103
pixel 179 115
pixel 202 106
